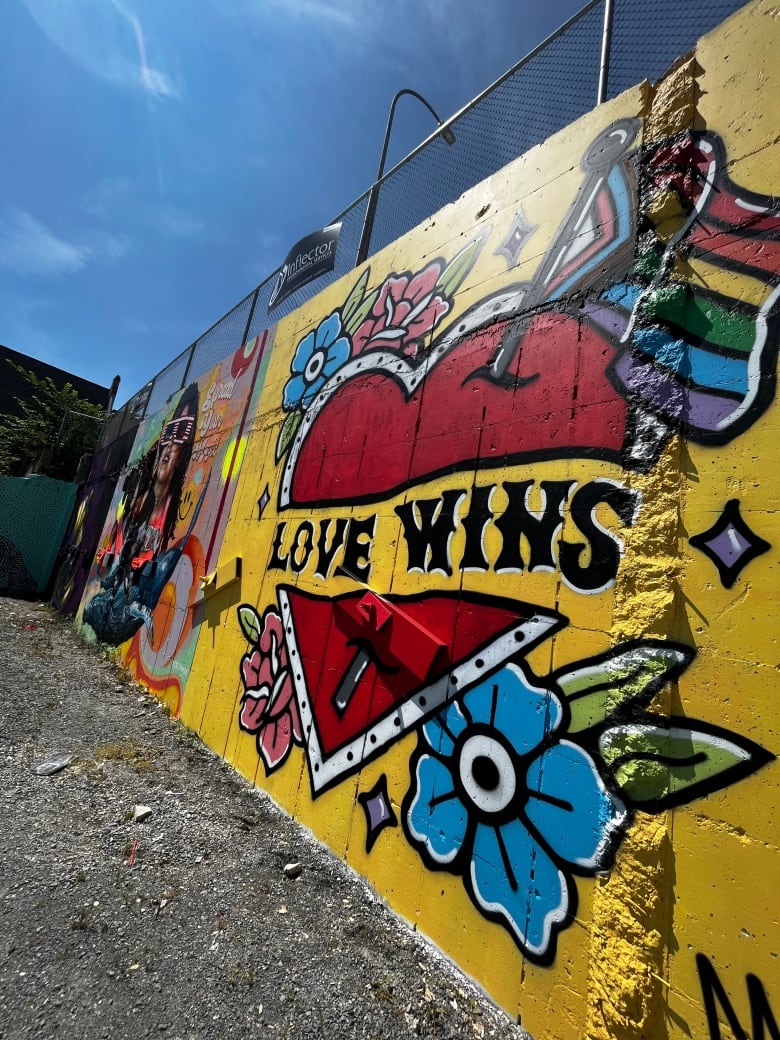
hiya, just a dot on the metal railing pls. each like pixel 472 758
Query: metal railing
pixel 556 83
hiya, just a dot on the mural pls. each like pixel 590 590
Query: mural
pixel 519 438
pixel 500 514
pixel 714 994
pixel 140 557
pixel 645 348
pixel 162 533
pixel 92 503
pixel 481 551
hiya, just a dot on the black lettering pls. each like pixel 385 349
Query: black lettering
pixel 712 990
pixel 604 547
pixel 298 562
pixel 325 554
pixel 540 531
pixel 278 562
pixel 356 563
pixel 474 524
pixel 434 532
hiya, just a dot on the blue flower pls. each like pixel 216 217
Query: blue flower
pixel 319 355
pixel 498 797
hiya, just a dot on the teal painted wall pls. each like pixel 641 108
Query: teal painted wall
pixel 34 515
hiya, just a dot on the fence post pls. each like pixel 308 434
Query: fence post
pixel 248 325
pixel 606 46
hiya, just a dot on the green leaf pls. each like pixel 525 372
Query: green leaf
pixel 599 687
pixel 287 432
pixel 457 269
pixel 353 301
pixel 249 620
pixel 360 314
pixel 657 767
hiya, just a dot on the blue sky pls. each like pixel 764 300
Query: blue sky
pixel 162 156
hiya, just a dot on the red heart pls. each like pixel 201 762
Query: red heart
pixel 373 437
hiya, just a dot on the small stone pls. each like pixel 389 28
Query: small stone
pixel 293 870
pixel 141 813
pixel 53 765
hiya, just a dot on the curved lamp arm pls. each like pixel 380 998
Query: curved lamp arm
pixel 368 223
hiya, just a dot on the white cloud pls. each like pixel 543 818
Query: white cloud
pixel 329 12
pixel 109 192
pixel 29 247
pixel 342 16
pixel 102 245
pixel 105 39
pixel 136 326
pixel 176 223
pixel 158 84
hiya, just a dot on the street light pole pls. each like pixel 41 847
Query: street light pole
pixel 368 223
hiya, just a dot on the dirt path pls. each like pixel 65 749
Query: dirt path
pixel 184 925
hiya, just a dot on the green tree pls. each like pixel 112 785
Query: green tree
pixel 56 427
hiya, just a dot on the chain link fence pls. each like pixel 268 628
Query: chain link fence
pixel 548 89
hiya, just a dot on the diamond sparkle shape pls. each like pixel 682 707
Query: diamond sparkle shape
pixel 378 810
pixel 262 502
pixel 730 544
pixel 519 233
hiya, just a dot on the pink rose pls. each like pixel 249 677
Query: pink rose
pixel 405 311
pixel 268 707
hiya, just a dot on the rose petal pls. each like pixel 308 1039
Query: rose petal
pixel 364 333
pixel 281 696
pixel 250 717
pixel 395 288
pixel 274 741
pixel 428 318
pixel 250 669
pixel 272 640
pixel 423 283
pixel 257 672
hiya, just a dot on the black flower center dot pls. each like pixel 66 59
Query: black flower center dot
pixel 485 773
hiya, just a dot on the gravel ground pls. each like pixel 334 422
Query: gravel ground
pixel 185 924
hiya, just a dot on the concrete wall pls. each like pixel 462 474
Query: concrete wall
pixel 474 557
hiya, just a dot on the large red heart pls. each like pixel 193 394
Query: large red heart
pixel 381 430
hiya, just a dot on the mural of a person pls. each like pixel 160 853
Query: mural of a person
pixel 141 549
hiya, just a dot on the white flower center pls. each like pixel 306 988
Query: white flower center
pixel 314 366
pixel 487 773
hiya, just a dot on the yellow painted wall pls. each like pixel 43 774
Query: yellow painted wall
pixel 546 732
